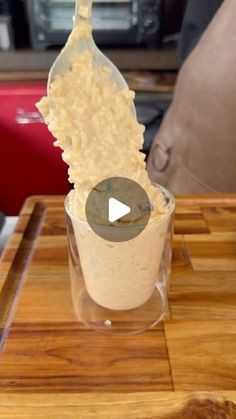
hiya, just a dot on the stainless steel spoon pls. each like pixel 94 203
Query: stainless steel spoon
pixel 65 59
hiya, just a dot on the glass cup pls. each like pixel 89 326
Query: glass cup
pixel 121 287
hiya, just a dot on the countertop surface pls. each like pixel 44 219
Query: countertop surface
pixel 125 59
pixel 29 65
pixel 71 371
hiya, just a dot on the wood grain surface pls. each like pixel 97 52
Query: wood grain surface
pixel 59 362
pixel 15 279
pixel 103 405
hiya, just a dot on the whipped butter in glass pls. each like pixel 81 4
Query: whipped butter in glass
pixel 93 122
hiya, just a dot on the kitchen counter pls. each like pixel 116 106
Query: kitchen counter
pixel 124 59
pixel 145 70
pixel 70 370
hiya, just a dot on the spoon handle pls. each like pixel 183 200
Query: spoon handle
pixel 83 9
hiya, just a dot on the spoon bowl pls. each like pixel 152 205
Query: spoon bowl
pixel 65 59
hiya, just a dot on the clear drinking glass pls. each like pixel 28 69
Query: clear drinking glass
pixel 121 287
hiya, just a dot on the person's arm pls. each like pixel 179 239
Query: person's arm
pixel 198 134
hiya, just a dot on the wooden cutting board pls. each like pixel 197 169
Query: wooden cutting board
pixel 63 369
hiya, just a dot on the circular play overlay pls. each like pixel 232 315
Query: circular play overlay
pixel 118 209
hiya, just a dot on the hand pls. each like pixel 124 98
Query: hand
pixel 195 149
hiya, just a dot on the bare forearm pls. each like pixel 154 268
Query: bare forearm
pixel 202 118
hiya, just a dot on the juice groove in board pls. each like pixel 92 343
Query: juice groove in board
pixel 15 279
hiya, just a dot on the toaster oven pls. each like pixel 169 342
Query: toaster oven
pixel 114 21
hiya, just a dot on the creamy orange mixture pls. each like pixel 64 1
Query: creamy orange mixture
pixel 94 123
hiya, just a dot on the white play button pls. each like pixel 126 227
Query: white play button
pixel 117 210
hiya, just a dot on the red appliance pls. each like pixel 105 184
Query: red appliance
pixel 29 163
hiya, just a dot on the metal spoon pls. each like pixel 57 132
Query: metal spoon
pixel 65 59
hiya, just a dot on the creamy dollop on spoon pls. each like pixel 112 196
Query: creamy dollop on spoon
pixel 90 111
